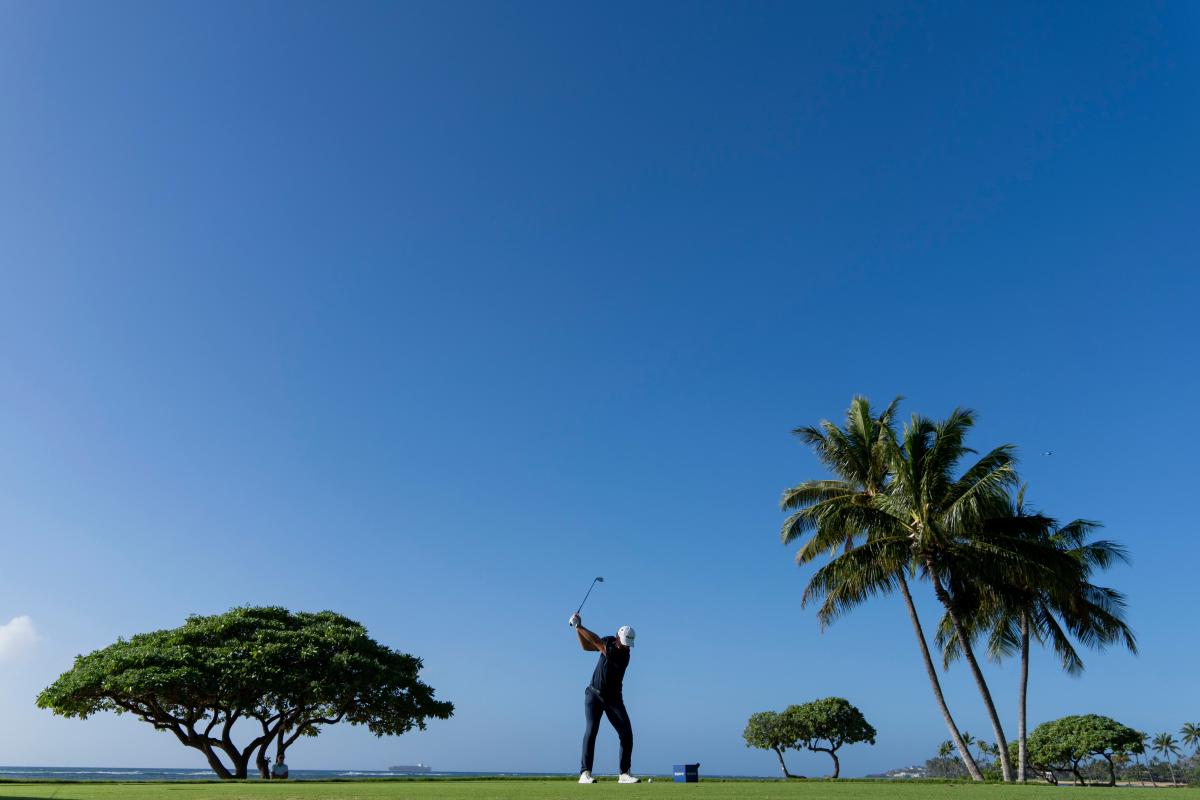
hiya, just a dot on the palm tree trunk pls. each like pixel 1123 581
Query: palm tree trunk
pixel 1022 697
pixel 931 671
pixel 968 652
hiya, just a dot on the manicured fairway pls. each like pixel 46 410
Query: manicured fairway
pixel 551 790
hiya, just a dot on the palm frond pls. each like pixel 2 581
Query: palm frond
pixel 809 492
pixel 848 580
pixel 1050 632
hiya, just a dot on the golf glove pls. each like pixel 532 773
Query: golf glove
pixel 575 620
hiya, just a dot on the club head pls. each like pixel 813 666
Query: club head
pixel 598 578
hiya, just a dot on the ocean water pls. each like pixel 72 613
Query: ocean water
pixel 196 774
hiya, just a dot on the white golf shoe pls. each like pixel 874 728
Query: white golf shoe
pixel 586 777
pixel 627 778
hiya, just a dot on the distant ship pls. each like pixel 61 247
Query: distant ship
pixel 412 769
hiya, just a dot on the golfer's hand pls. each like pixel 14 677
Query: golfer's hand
pixel 575 620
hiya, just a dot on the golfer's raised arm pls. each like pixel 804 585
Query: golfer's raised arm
pixel 588 640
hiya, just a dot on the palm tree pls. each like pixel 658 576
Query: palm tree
pixel 1139 751
pixel 1165 745
pixel 951 530
pixel 1191 735
pixel 839 515
pixel 1052 612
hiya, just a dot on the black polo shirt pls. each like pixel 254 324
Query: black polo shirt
pixel 610 669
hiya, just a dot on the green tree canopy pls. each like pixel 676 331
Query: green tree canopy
pixel 1063 744
pixel 825 725
pixel 286 674
pixel 770 730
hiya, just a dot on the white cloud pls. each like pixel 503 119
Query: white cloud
pixel 17 638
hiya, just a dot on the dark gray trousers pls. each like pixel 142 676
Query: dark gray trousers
pixel 595 706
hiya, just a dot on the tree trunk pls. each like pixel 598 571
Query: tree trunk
pixel 782 765
pixel 837 765
pixel 284 742
pixel 281 745
pixel 241 761
pixel 931 672
pixel 1112 770
pixel 969 653
pixel 1075 771
pixel 1022 698
pixel 260 760
pixel 214 761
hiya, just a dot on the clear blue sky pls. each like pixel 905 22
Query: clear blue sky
pixel 431 312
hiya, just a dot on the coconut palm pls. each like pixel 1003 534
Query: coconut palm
pixel 985 748
pixel 896 521
pixel 1140 750
pixel 1165 745
pixel 931 523
pixel 1190 732
pixel 838 516
pixel 949 526
pixel 1052 612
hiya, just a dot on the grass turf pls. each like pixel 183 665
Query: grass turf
pixel 663 789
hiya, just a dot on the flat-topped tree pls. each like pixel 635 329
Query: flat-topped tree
pixel 826 725
pixel 770 730
pixel 1061 745
pixel 287 674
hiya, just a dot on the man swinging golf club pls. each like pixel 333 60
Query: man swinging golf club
pixel 603 695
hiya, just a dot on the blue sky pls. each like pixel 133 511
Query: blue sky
pixel 430 313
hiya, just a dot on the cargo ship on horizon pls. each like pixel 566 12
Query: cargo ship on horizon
pixel 412 769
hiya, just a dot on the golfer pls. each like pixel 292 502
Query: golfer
pixel 603 696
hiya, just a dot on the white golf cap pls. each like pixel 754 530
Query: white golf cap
pixel 626 635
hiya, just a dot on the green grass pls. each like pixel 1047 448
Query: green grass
pixel 663 789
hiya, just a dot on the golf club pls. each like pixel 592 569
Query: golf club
pixel 589 591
